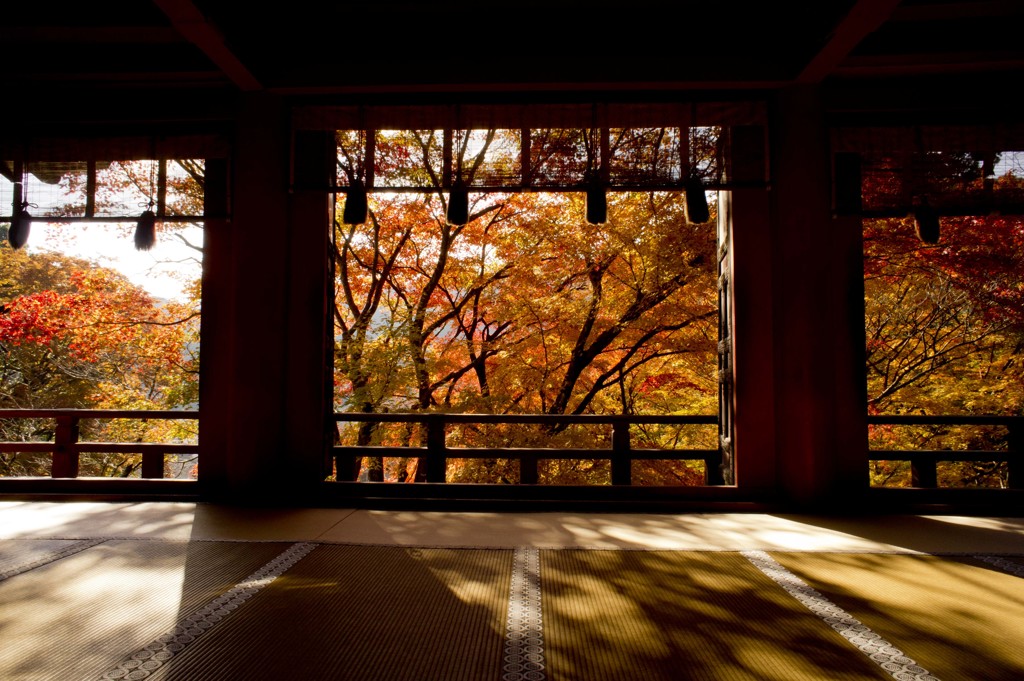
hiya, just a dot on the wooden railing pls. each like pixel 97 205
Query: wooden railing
pixel 436 451
pixel 65 447
pixel 923 462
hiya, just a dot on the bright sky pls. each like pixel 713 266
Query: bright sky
pixel 163 271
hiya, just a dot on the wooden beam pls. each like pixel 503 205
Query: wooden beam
pixel 937 63
pixel 951 11
pixel 865 17
pixel 93 35
pixel 193 26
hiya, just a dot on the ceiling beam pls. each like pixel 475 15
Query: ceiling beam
pixel 93 35
pixel 951 11
pixel 923 64
pixel 866 16
pixel 193 26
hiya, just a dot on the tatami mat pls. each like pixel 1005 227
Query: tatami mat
pixel 959 618
pixel 83 612
pixel 197 591
pixel 364 614
pixel 629 615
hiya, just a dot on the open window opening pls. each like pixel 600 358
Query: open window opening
pixel 944 317
pixel 488 311
pixel 100 301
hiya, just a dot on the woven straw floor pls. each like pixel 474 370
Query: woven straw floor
pixel 184 591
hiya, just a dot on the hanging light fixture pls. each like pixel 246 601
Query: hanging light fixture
pixel 926 221
pixel 458 195
pixel 697 211
pixel 597 200
pixel 21 222
pixel 595 187
pixel 356 208
pixel 458 203
pixel 145 230
pixel 695 201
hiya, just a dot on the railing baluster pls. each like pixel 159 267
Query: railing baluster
pixel 528 470
pixel 437 451
pixel 153 463
pixel 622 464
pixel 65 456
pixel 713 473
pixel 923 472
pixel 1015 457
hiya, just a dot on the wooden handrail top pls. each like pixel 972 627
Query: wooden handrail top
pixel 100 413
pixel 542 419
pixel 944 420
pixel 104 447
pixel 994 455
pixel 520 452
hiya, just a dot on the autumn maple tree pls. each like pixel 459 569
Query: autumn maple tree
pixel 525 308
pixel 945 326
pixel 76 334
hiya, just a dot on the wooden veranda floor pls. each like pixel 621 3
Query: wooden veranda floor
pixel 196 591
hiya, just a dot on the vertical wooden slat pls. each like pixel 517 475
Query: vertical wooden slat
pixel 923 473
pixel 1015 457
pixel 437 454
pixel 622 464
pixel 528 470
pixel 90 189
pixel 370 158
pixel 447 155
pixel 153 463
pixel 525 167
pixel 65 456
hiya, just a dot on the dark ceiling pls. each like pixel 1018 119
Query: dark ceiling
pixel 383 48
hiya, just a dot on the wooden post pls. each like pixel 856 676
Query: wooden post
pixel 437 451
pixel 622 463
pixel 923 473
pixel 713 473
pixel 65 456
pixel 1015 455
pixel 153 463
pixel 528 470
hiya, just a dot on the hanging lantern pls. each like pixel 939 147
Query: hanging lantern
pixel 597 202
pixel 356 208
pixel 458 204
pixel 21 222
pixel 697 211
pixel 926 222
pixel 145 231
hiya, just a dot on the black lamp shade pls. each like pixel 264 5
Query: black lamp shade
pixel 697 211
pixel 458 204
pixel 355 204
pixel 926 223
pixel 597 204
pixel 21 223
pixel 145 231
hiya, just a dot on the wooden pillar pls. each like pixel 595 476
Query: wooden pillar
pixel 262 389
pixel 309 351
pixel 753 342
pixel 216 389
pixel 818 315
